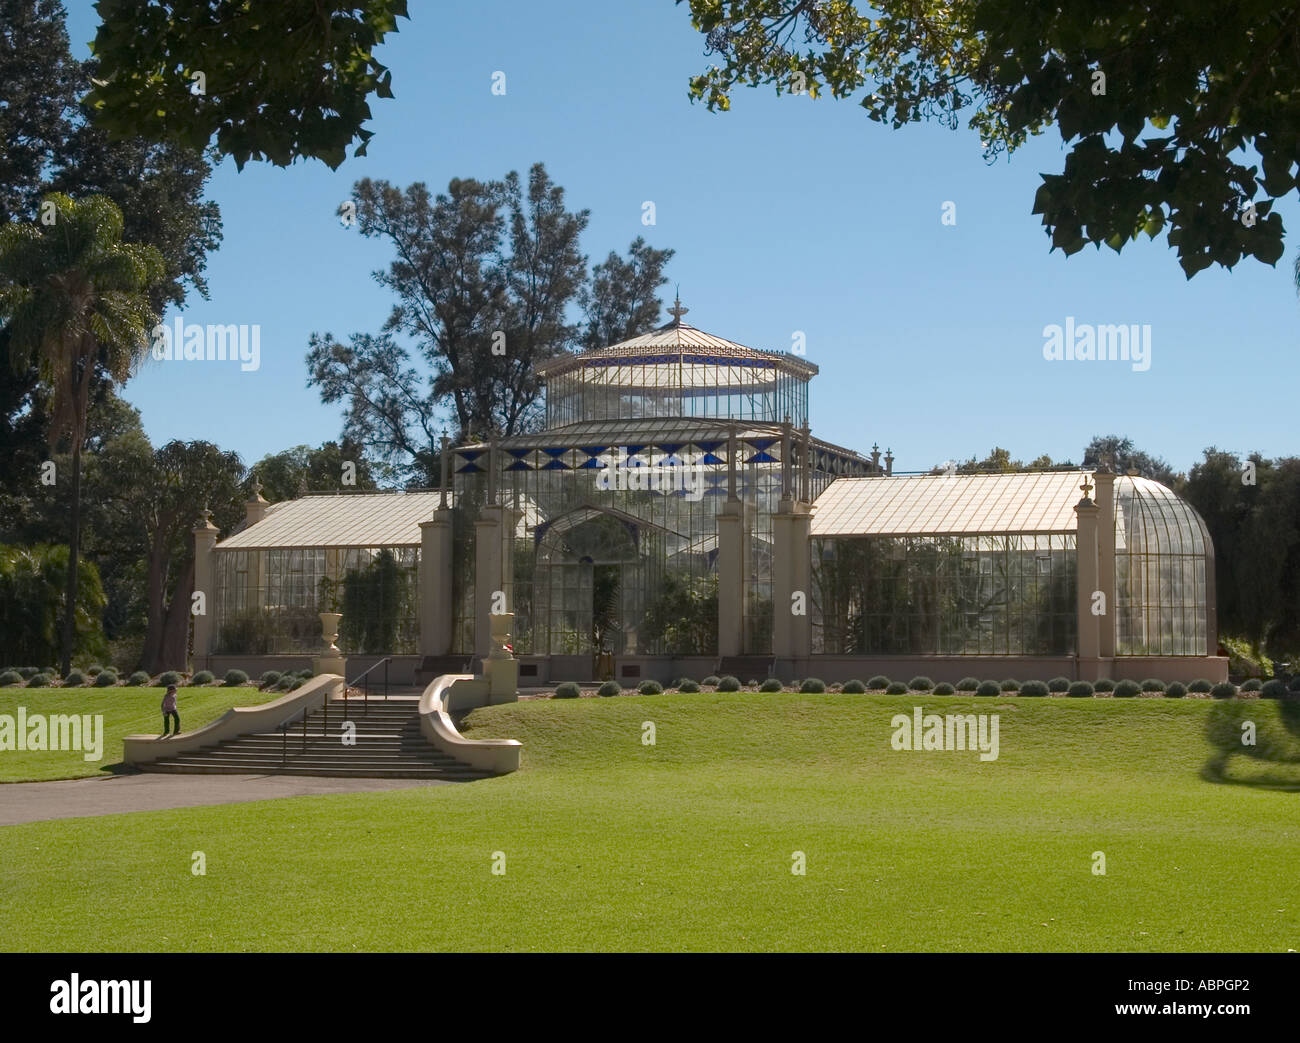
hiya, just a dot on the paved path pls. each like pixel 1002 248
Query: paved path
pixel 37 801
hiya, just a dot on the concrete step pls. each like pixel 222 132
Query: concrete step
pixel 327 772
pixel 259 763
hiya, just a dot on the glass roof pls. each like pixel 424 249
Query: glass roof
pixel 340 520
pixel 649 431
pixel 1151 518
pixel 676 355
pixel 1040 502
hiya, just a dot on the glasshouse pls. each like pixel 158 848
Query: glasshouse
pixel 674 514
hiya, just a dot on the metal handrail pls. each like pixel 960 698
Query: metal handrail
pixel 306 713
pixel 365 676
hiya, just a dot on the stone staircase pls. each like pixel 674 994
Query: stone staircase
pixel 389 745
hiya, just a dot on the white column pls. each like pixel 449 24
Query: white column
pixel 488 576
pixel 436 607
pixel 205 539
pixel 1106 559
pixel 1088 648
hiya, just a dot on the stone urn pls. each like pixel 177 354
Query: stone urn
pixel 329 628
pixel 329 660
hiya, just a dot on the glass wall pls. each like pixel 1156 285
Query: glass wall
pixel 1164 572
pixel 1010 594
pixel 675 385
pixel 613 545
pixel 268 601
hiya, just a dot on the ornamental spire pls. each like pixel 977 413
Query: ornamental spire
pixel 677 311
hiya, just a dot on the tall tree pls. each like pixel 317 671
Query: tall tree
pixel 485 278
pixel 272 81
pixel 1174 117
pixel 622 299
pixel 74 298
pixel 48 143
pixel 38 92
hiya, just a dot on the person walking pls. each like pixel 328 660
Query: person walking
pixel 170 713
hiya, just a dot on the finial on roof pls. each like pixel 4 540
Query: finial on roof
pixel 677 311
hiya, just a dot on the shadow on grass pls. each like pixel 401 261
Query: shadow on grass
pixel 1250 733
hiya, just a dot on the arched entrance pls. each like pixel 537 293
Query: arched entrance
pixel 595 570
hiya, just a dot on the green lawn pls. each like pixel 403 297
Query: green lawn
pixel 687 844
pixel 127 711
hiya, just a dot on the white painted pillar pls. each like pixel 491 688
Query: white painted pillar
pixel 205 539
pixel 1088 647
pixel 435 576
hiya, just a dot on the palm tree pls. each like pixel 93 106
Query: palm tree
pixel 74 300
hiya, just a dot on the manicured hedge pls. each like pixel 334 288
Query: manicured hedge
pixel 896 688
pixel 649 687
pixel 987 688
pixel 1080 690
pixel 854 687
pixel 944 688
pixel 610 688
pixel 813 685
pixel 920 684
pixel 771 685
pixel 567 690
pixel 968 684
pixel 1035 689
pixel 728 684
pixel 1059 684
pixel 878 683
pixel 1224 690
pixel 1127 689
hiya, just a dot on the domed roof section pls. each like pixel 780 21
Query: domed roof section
pixel 683 344
pixel 1151 518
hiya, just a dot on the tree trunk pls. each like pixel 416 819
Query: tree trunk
pixel 151 657
pixel 74 554
pixel 174 653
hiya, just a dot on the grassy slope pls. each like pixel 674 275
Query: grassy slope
pixel 127 711
pixel 687 844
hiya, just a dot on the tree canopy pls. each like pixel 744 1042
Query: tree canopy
pixel 1175 117
pixel 487 279
pixel 269 81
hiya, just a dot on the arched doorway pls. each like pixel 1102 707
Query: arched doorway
pixel 595 568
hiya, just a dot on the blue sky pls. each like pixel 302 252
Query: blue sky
pixel 786 214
